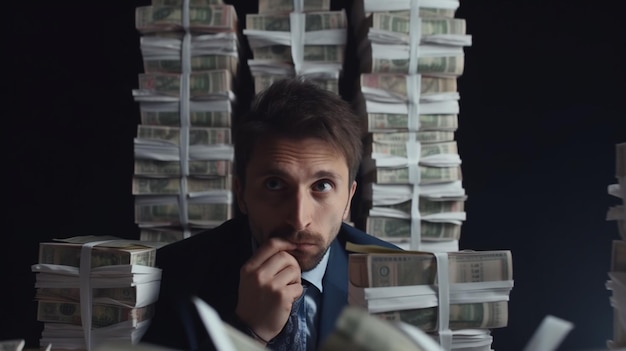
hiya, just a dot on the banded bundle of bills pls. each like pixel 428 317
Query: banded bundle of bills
pixel 186 96
pixel 408 286
pixel 293 38
pixel 91 289
pixel 411 54
pixel 617 274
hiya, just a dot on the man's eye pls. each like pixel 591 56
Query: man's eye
pixel 274 184
pixel 323 186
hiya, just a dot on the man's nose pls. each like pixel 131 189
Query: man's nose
pixel 299 211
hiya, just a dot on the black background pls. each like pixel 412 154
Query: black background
pixel 542 101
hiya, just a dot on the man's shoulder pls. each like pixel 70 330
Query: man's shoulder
pixel 228 237
pixel 354 235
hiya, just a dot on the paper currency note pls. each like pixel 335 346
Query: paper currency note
pixel 385 121
pixel 486 315
pixel 197 135
pixel 144 167
pixel 411 268
pixel 209 19
pixel 69 255
pixel 399 230
pixel 218 119
pixel 102 315
pixel 286 6
pixel 164 186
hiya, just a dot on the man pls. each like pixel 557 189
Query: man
pixel 297 154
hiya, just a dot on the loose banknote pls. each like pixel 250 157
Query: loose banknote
pixel 357 330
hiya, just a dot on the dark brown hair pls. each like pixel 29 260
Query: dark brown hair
pixel 295 108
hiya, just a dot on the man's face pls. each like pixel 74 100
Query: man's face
pixel 297 190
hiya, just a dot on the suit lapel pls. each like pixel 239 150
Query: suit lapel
pixel 335 294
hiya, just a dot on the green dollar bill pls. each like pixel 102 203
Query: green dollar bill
pixel 68 254
pixel 201 84
pixel 215 119
pixel 207 19
pixel 399 230
pixel 486 315
pixel 314 21
pixel 427 136
pixel 197 63
pixel 102 315
pixel 429 26
pixel 197 135
pixel 166 186
pixel 144 167
pixel 383 121
pixel 286 6
pixel 396 84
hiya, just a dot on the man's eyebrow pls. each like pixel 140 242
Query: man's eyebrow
pixel 277 172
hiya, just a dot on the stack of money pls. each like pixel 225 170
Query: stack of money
pixel 291 38
pixel 411 54
pixel 91 289
pixel 617 275
pixel 456 297
pixel 183 151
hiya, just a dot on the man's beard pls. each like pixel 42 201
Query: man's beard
pixel 307 262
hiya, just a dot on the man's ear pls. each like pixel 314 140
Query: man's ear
pixel 239 194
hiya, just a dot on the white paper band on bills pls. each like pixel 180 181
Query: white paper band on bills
pixel 297 24
pixel 86 296
pixel 414 88
pixel 415 35
pixel 443 309
pixel 185 53
pixel 416 220
pixel 298 5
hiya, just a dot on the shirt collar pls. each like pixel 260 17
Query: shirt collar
pixel 315 275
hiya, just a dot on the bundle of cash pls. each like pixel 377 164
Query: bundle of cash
pixel 617 274
pixel 290 38
pixel 90 289
pixel 186 97
pixel 407 286
pixel 410 54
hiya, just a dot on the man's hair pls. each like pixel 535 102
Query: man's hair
pixel 296 109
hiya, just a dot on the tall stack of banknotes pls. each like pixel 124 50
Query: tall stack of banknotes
pixel 183 150
pixel 411 54
pixel 92 289
pixel 290 38
pixel 617 276
pixel 455 297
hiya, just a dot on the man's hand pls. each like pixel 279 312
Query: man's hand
pixel 269 284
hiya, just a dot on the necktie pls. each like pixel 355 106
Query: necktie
pixel 296 335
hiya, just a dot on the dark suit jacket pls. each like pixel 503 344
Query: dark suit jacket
pixel 207 265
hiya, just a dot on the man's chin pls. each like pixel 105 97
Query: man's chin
pixel 307 261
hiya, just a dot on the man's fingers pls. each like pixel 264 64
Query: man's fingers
pixel 266 251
